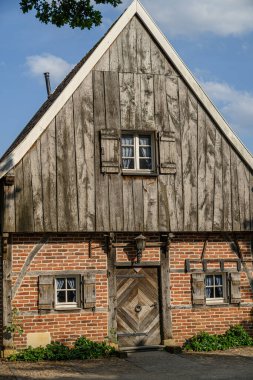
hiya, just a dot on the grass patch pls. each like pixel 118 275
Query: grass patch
pixel 235 336
pixel 83 349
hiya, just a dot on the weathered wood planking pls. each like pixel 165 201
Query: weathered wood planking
pixel 218 186
pixel 227 191
pixel 101 181
pixel 150 204
pixel 128 204
pixel 138 199
pixel 188 122
pixel 37 195
pixel 19 189
pixel 66 169
pixel 130 101
pixel 143 49
pixel 147 102
pixel 175 189
pixel 7 207
pixel 244 196
pixel 112 106
pixel 202 142
pixel 251 199
pixel 85 151
pixel 235 192
pixel 210 162
pixel 49 177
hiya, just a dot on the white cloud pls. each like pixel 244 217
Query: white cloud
pixel 191 17
pixel 56 66
pixel 236 106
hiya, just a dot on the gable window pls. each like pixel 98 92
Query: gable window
pixel 66 291
pixel 138 152
pixel 215 288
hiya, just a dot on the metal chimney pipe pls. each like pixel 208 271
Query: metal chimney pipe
pixel 47 79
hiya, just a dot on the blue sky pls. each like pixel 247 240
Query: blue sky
pixel 214 38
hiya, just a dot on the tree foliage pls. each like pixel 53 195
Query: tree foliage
pixel 76 13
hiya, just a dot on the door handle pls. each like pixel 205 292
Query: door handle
pixel 154 305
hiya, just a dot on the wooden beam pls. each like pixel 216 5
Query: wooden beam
pixel 7 285
pixel 165 296
pixel 112 299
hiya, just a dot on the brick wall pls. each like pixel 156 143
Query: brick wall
pixel 188 319
pixel 81 252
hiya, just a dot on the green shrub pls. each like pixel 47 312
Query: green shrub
pixel 83 349
pixel 235 336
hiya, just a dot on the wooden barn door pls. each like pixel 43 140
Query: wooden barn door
pixel 138 317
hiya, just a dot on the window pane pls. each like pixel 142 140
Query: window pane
pixel 71 296
pixel 127 140
pixel 61 296
pixel 209 280
pixel 146 164
pixel 209 293
pixel 145 140
pixel 71 283
pixel 127 151
pixel 145 152
pixel 60 283
pixel 219 292
pixel 218 280
pixel 128 163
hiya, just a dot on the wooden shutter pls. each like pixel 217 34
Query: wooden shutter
pixel 110 151
pixel 46 292
pixel 198 288
pixel 167 149
pixel 235 289
pixel 89 291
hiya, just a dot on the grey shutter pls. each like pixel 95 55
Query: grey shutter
pixel 235 289
pixel 46 292
pixel 198 288
pixel 89 291
pixel 110 151
pixel 167 150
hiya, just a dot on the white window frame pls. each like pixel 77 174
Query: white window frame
pixel 136 157
pixel 67 305
pixel 217 300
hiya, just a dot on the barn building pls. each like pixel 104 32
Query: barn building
pixel 126 203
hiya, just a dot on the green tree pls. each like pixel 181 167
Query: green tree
pixel 76 13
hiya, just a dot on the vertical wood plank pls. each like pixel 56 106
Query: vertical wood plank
pixel 112 107
pixel 235 192
pixel 128 44
pixel 218 186
pixel 116 55
pixel 35 155
pixel 188 121
pixel 164 206
pixel 48 169
pixel 27 207
pixel 227 193
pixel 159 64
pixel 244 204
pixel 202 142
pixel 143 49
pixel 101 181
pixel 175 181
pixel 150 204
pixel 147 102
pixel 130 100
pixel 128 204
pixel 19 188
pixel 138 204
pixel 84 144
pixel 161 107
pixel 251 199
pixel 66 170
pixel 210 164
pixel 7 206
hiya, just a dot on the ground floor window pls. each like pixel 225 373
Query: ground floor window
pixel 66 291
pixel 215 288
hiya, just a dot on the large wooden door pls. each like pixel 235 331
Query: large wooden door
pixel 138 319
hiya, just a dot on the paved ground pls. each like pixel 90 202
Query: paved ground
pixel 233 364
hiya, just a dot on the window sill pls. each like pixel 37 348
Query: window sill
pixel 62 308
pixel 140 174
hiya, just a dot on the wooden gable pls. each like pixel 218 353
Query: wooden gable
pixel 59 184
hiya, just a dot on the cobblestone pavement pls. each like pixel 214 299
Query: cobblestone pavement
pixel 151 365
